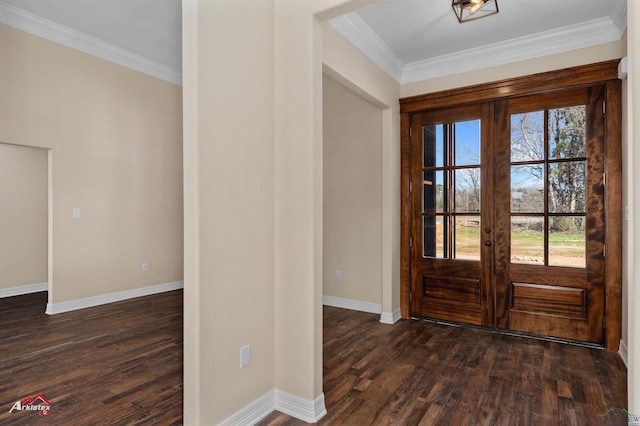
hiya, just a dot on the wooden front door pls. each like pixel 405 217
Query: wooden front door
pixel 507 214
pixel 449 175
pixel 549 211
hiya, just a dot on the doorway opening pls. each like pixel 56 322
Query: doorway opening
pixel 24 220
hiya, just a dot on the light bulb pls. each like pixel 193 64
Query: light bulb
pixel 476 6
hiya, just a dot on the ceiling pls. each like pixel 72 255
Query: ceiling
pixel 411 40
pixel 415 40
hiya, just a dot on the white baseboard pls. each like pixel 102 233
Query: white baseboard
pixel 23 289
pixel 88 302
pixel 390 317
pixel 300 408
pixel 252 413
pixel 355 305
pixel 623 352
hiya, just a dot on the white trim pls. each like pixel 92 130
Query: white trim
pixel 300 408
pixel 355 305
pixel 390 317
pixel 623 68
pixel 252 413
pixel 623 352
pixel 41 27
pixel 88 302
pixel 23 289
pixel 571 37
pixel 364 38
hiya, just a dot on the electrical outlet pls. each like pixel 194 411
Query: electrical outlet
pixel 245 356
pixel 339 275
pixel 145 267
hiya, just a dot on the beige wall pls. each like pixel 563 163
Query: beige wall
pixel 115 139
pixel 252 75
pixel 23 216
pixel 352 212
pixel 229 205
pixel 298 199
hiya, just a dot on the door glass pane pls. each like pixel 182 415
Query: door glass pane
pixel 567 187
pixel 552 180
pixel 448 188
pixel 467 190
pixel 567 132
pixel 527 136
pixel 467 143
pixel 467 237
pixel 433 146
pixel 434 193
pixel 434 231
pixel 567 241
pixel 527 189
pixel 527 240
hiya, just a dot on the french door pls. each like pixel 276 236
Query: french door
pixel 507 222
pixel 451 215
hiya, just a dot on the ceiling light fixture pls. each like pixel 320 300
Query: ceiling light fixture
pixel 468 10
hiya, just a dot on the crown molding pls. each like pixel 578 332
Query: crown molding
pixel 585 34
pixel 47 29
pixel 364 38
pixel 564 39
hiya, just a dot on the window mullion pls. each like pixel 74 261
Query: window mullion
pixel 546 188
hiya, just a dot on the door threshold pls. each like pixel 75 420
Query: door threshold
pixel 511 332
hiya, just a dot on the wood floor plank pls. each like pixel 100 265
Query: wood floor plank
pixel 434 374
pixel 116 364
pixel 121 364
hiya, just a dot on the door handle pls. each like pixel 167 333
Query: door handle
pixel 487 243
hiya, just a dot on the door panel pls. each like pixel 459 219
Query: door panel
pixel 452 298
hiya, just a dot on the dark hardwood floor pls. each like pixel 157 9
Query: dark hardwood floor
pixel 117 364
pixel 421 373
pixel 121 364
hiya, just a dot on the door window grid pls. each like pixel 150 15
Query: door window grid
pixel 451 190
pixel 548 187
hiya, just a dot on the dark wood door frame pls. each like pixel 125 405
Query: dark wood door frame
pixel 604 73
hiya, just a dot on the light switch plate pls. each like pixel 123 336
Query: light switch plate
pixel 245 356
